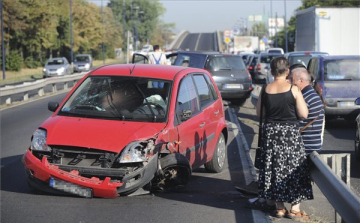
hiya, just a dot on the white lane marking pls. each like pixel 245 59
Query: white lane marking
pixel 197 42
pixel 249 171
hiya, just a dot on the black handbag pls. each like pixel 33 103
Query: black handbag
pixel 258 149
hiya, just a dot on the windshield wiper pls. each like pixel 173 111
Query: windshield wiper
pixel 147 102
pixel 111 103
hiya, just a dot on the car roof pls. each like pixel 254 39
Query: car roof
pixel 338 57
pixel 201 52
pixel 266 54
pixel 305 53
pixel 143 70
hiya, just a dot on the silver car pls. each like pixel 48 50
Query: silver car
pixel 263 66
pixel 83 62
pixel 57 66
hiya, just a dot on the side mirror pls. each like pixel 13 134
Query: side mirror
pixel 357 101
pixel 52 106
pixel 185 115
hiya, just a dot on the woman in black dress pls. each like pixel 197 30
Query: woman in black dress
pixel 283 172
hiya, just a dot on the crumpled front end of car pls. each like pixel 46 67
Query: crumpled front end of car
pixel 90 172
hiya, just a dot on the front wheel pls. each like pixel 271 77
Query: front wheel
pixel 216 164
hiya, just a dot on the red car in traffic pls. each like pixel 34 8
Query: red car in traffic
pixel 131 127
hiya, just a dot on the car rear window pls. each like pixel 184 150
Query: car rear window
pixel 225 63
pixel 342 69
pixel 268 58
pixel 300 59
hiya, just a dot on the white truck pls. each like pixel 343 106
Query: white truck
pixel 246 44
pixel 335 30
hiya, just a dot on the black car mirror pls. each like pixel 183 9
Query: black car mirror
pixel 185 115
pixel 357 101
pixel 52 106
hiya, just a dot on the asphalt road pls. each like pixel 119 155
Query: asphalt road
pixel 207 198
pixel 199 42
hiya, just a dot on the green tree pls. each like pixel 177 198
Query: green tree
pixel 260 30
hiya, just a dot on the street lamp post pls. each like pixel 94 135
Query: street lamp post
pixel 286 40
pixel 71 36
pixel 102 22
pixel 2 41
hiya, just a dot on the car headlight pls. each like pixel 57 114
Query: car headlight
pixel 60 70
pixel 87 66
pixel 137 151
pixel 44 69
pixel 39 141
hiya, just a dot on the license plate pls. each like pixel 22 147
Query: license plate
pixel 346 103
pixel 70 188
pixel 233 86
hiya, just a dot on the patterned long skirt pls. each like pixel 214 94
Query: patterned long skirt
pixel 283 172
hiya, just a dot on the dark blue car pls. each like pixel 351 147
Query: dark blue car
pixel 339 78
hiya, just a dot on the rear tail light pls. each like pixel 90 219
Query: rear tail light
pixel 258 66
pixel 251 67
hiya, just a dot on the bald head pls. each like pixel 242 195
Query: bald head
pixel 300 77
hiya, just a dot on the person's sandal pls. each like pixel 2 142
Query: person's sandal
pixel 297 215
pixel 280 213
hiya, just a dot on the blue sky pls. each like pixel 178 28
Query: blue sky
pixel 210 15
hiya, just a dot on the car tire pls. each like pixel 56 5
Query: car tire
pixel 175 172
pixel 216 164
pixel 357 145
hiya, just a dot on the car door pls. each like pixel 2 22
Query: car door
pixel 138 58
pixel 190 121
pixel 210 107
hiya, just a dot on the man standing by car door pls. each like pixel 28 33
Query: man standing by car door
pixel 160 59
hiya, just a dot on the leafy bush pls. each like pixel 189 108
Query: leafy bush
pixel 13 61
pixel 31 63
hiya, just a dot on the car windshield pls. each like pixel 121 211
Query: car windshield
pixel 81 59
pixel 225 63
pixel 120 98
pixel 55 62
pixel 301 59
pixel 268 58
pixel 342 69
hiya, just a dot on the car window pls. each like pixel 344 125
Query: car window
pixel 299 59
pixel 56 62
pixel 187 60
pixel 82 59
pixel 205 95
pixel 187 97
pixel 119 98
pixel 212 88
pixel 268 58
pixel 225 63
pixel 342 69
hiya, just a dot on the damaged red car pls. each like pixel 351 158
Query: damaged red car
pixel 125 128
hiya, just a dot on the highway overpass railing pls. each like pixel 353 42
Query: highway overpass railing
pixel 331 173
pixel 25 88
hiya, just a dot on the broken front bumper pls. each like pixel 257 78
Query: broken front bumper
pixel 40 172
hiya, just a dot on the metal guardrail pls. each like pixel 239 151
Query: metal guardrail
pixel 24 88
pixel 345 202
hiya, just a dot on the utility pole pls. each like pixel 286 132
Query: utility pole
pixel 286 40
pixel 276 29
pixel 2 41
pixel 71 36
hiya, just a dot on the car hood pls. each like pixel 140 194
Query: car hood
pixel 109 135
pixel 341 89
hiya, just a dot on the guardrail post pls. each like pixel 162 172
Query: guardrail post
pixel 54 88
pixel 26 96
pixel 66 86
pixel 41 92
pixel 8 100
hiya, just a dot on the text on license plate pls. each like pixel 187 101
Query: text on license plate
pixel 70 188
pixel 233 86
